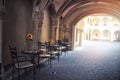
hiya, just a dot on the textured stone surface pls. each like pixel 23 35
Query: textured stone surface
pixel 95 61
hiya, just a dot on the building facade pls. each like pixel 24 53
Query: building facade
pixel 97 27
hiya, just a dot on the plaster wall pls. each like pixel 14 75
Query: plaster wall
pixel 17 23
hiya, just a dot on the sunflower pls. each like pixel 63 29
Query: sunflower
pixel 51 41
pixel 62 35
pixel 29 36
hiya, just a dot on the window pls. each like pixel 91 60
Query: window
pixel 105 21
pixel 96 21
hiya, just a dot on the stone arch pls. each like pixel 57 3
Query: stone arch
pixel 115 22
pixel 96 21
pixel 106 35
pixel 90 8
pixel 105 21
pixel 117 35
pixel 96 35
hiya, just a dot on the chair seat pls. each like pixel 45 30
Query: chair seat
pixel 43 50
pixel 23 65
pixel 60 48
pixel 68 45
pixel 53 52
pixel 44 56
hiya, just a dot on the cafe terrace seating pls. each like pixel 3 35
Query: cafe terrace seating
pixel 49 51
pixel 18 62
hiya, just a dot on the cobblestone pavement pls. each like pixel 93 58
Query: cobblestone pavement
pixel 95 61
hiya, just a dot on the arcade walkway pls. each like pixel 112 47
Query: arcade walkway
pixel 95 61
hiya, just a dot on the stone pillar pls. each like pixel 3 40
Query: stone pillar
pixel 39 31
pixel 54 28
pixel 101 35
pixel 60 32
pixel 112 35
pixel 57 31
pixel 91 35
pixel 88 35
pixel 37 17
pixel 37 24
pixel 79 37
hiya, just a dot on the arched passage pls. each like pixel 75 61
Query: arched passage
pixel 78 11
pixel 94 28
pixel 106 35
pixel 96 35
pixel 117 35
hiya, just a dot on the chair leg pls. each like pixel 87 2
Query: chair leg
pixel 25 70
pixel 18 74
pixel 50 63
pixel 58 57
pixel 13 73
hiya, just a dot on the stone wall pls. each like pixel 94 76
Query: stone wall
pixel 17 23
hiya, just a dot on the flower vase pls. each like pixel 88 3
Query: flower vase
pixel 29 45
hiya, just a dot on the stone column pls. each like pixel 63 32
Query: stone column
pixel 37 17
pixel 68 33
pixel 54 27
pixel 88 35
pixel 112 35
pixel 81 37
pixel 58 27
pixel 60 32
pixel 101 35
pixel 91 35
pixel 39 31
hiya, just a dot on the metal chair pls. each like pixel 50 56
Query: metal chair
pixel 42 46
pixel 18 62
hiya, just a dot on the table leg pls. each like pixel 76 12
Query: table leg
pixel 33 60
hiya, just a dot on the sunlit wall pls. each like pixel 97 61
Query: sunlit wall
pixel 97 27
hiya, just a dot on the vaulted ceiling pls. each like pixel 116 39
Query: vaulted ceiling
pixel 73 10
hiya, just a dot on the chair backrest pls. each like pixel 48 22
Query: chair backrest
pixel 66 40
pixel 13 52
pixel 59 42
pixel 47 44
pixel 41 45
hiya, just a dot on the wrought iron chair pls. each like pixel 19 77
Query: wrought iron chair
pixel 52 50
pixel 67 44
pixel 61 47
pixel 18 62
pixel 42 46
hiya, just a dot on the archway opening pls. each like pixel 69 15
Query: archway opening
pixel 96 28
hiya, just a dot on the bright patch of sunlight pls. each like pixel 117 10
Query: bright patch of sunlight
pixel 96 27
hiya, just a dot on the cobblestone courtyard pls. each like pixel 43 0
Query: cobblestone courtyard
pixel 95 61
